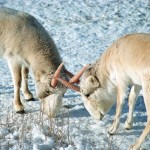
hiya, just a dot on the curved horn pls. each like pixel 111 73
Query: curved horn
pixel 69 85
pixel 75 79
pixel 68 73
pixel 56 75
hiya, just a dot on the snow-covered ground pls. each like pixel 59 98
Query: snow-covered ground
pixel 82 30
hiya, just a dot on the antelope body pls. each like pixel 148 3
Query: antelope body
pixel 25 44
pixel 125 63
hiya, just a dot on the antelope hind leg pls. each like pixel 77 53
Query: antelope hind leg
pixel 27 94
pixel 146 95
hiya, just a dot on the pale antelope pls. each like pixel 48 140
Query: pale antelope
pixel 25 44
pixel 125 63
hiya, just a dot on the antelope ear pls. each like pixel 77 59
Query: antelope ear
pixel 92 82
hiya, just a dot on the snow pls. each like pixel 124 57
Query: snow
pixel 82 30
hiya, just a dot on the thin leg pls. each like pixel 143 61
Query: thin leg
pixel 121 94
pixel 27 94
pixel 146 131
pixel 16 77
pixel 141 139
pixel 133 96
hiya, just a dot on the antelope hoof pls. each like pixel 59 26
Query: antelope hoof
pixel 20 111
pixel 111 133
pixel 30 99
pixel 112 130
pixel 128 126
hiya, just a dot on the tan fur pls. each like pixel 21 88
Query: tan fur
pixel 26 44
pixel 126 62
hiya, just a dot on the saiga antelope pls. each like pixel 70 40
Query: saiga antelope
pixel 125 63
pixel 25 44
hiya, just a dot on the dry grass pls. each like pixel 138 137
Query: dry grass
pixel 16 129
pixel 19 129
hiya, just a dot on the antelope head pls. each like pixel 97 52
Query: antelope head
pixel 51 103
pixel 93 96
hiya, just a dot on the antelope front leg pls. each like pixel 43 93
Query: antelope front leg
pixel 121 94
pixel 132 100
pixel 27 94
pixel 16 77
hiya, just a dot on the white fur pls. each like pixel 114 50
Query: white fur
pixel 52 104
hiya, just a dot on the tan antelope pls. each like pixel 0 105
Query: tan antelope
pixel 125 63
pixel 25 44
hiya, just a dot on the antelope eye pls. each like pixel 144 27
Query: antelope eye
pixel 47 91
pixel 87 95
